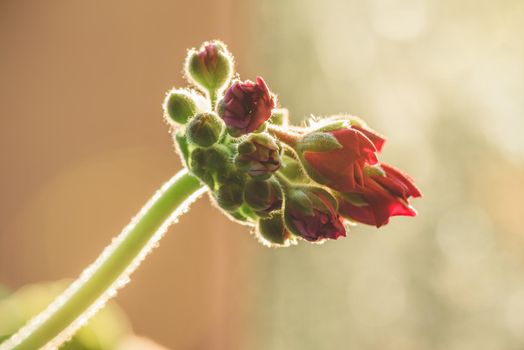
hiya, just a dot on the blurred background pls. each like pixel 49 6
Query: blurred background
pixel 83 146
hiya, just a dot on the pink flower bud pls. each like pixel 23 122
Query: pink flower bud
pixel 246 106
pixel 385 193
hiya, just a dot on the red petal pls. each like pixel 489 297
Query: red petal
pixel 377 139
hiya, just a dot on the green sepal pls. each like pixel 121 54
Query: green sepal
pixel 273 230
pixel 354 198
pixel 292 169
pixel 238 216
pixel 374 170
pixel 261 195
pixel 300 201
pixel 332 126
pixel 248 212
pixel 318 142
pixel 288 223
pixel 317 202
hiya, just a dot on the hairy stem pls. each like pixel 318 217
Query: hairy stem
pixel 100 281
pixel 286 136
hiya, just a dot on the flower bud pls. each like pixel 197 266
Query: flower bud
pixel 204 129
pixel 263 196
pixel 180 105
pixel 385 193
pixel 230 196
pixel 210 67
pixel 246 106
pixel 280 117
pixel 336 155
pixel 210 163
pixel 311 213
pixel 358 124
pixel 259 156
pixel 272 231
pixel 197 164
pixel 292 169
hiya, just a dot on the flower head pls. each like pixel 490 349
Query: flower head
pixel 311 213
pixel 246 106
pixel 385 193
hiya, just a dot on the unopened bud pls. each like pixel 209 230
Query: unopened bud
pixel 208 163
pixel 179 105
pixel 311 213
pixel 230 196
pixel 263 196
pixel 246 106
pixel 273 232
pixel 259 156
pixel 204 129
pixel 279 116
pixel 211 66
pixel 292 169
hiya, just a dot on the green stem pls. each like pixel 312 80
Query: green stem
pixel 213 95
pixel 110 271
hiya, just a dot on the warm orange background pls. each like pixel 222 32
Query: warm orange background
pixel 83 146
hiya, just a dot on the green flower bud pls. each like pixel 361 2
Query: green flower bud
pixel 230 196
pixel 263 196
pixel 272 231
pixel 258 155
pixel 292 169
pixel 279 116
pixel 197 165
pixel 210 67
pixel 204 129
pixel 211 163
pixel 179 105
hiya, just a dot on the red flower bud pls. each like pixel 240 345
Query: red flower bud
pixel 336 158
pixel 385 193
pixel 246 106
pixel 311 213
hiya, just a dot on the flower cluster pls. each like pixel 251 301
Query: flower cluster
pixel 288 182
